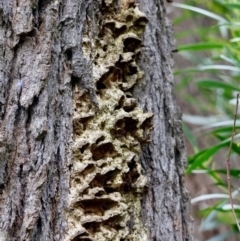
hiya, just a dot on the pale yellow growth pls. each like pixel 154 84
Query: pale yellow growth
pixel 106 179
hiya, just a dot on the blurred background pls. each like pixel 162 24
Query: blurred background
pixel 207 81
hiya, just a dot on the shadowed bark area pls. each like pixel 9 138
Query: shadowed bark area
pixel 46 61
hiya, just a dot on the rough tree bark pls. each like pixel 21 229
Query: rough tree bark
pixel 90 138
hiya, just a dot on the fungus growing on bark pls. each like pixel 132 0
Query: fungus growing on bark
pixel 106 179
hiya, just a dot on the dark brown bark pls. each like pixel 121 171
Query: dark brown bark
pixel 47 78
pixel 164 159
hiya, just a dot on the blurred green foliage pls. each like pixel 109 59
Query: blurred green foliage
pixel 215 71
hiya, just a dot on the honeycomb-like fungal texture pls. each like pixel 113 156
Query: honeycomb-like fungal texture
pixel 106 180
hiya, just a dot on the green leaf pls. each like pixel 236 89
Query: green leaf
pixel 201 46
pixel 228 207
pixel 187 70
pixel 227 130
pixel 201 11
pixel 210 214
pixel 219 67
pixel 204 155
pixel 232 5
pixel 235 40
pixel 226 58
pixel 218 126
pixel 190 137
pixel 235 147
pixel 201 157
pixel 211 83
pixel 233 172
pixel 209 196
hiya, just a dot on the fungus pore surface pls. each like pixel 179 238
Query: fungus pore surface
pixel 106 182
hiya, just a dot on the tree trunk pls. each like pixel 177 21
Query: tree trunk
pixel 90 138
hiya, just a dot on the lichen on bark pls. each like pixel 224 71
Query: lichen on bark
pixel 106 181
